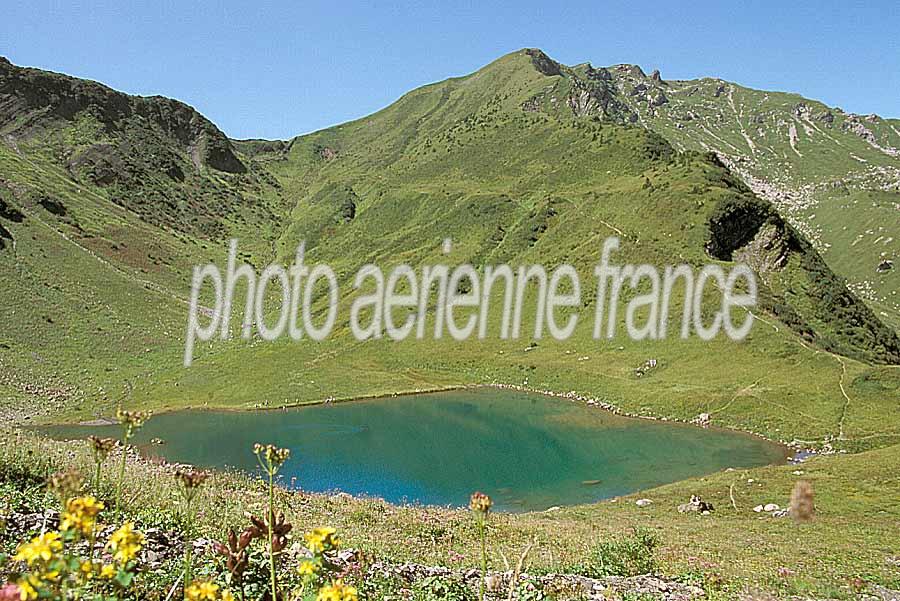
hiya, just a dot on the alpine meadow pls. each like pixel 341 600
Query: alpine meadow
pixel 109 202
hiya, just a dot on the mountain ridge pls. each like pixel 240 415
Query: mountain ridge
pixel 514 164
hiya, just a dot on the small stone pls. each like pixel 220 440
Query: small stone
pixel 771 507
pixel 493 583
pixel 643 502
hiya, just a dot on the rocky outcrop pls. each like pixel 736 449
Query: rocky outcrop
pixel 9 212
pixel 543 63
pixel 735 223
pixel 326 153
pixel 601 74
pixel 498 583
pixel 657 98
pixel 768 251
pixel 854 125
pixel 596 97
pixel 5 236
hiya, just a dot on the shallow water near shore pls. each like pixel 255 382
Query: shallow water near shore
pixel 528 451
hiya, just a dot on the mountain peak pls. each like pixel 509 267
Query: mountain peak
pixel 543 63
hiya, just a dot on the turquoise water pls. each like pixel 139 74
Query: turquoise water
pixel 527 451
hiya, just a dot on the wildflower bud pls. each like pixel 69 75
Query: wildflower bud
pixel 246 537
pixel 101 447
pixel 192 479
pixel 480 503
pixel 132 420
pixel 802 506
pixel 66 484
pixel 259 526
pixel 274 456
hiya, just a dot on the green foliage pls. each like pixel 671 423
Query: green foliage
pixel 439 588
pixel 630 554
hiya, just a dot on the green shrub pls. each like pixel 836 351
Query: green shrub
pixel 436 588
pixel 626 555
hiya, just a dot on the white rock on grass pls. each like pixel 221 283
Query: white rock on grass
pixel 642 502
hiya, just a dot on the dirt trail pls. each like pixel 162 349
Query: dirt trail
pixel 792 138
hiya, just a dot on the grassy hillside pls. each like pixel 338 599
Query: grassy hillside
pixel 833 175
pixel 492 160
pixel 108 201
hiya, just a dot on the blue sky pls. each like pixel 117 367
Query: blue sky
pixel 277 69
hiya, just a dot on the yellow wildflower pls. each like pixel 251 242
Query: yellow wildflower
pixel 108 571
pixel 321 540
pixel 227 596
pixel 86 569
pixel 29 587
pixel 81 514
pixel 202 591
pixel 308 568
pixel 337 591
pixel 43 548
pixel 125 543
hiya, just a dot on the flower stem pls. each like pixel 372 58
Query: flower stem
pixel 271 532
pixel 121 477
pixel 188 548
pixel 483 559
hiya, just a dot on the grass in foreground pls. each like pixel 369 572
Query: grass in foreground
pixel 850 545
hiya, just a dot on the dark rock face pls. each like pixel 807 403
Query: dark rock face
pixel 602 74
pixel 9 212
pixel 735 223
pixel 658 99
pixel 597 97
pixel 4 236
pixel 53 206
pixel 543 63
pixel 747 229
pixel 34 99
pixel 639 89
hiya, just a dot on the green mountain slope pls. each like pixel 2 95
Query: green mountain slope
pixel 833 175
pixel 524 161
